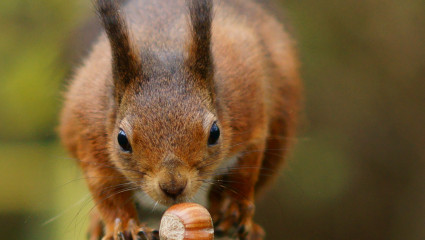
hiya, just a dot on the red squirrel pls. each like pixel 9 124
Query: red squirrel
pixel 171 92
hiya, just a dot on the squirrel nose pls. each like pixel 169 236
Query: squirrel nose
pixel 173 190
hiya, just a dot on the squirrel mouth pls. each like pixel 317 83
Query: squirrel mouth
pixel 158 197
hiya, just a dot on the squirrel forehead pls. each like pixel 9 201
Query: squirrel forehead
pixel 167 95
pixel 167 112
pixel 173 101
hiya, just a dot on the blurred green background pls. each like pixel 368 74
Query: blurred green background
pixel 357 172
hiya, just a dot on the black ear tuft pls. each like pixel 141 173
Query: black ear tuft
pixel 126 64
pixel 200 59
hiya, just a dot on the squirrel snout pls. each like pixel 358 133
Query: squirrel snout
pixel 173 189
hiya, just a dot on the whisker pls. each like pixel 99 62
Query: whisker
pixel 104 192
pixel 66 210
pixel 154 207
pixel 97 164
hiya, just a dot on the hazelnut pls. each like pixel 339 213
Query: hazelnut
pixel 186 221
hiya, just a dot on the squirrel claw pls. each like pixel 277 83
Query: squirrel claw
pixel 142 236
pixel 133 231
pixel 147 235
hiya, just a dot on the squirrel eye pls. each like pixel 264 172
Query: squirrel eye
pixel 123 141
pixel 214 134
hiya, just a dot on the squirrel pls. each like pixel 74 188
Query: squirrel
pixel 170 92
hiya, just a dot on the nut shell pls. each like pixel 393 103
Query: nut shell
pixel 186 221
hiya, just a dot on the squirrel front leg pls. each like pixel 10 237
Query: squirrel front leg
pixel 112 194
pixel 232 197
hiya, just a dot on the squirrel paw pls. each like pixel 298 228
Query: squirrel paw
pixel 234 218
pixel 132 232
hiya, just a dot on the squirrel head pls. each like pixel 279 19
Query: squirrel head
pixel 165 135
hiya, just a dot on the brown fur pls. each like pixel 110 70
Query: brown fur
pixel 167 70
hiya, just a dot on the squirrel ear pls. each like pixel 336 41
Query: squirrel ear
pixel 126 64
pixel 200 60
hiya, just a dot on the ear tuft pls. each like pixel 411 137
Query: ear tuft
pixel 126 64
pixel 200 61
